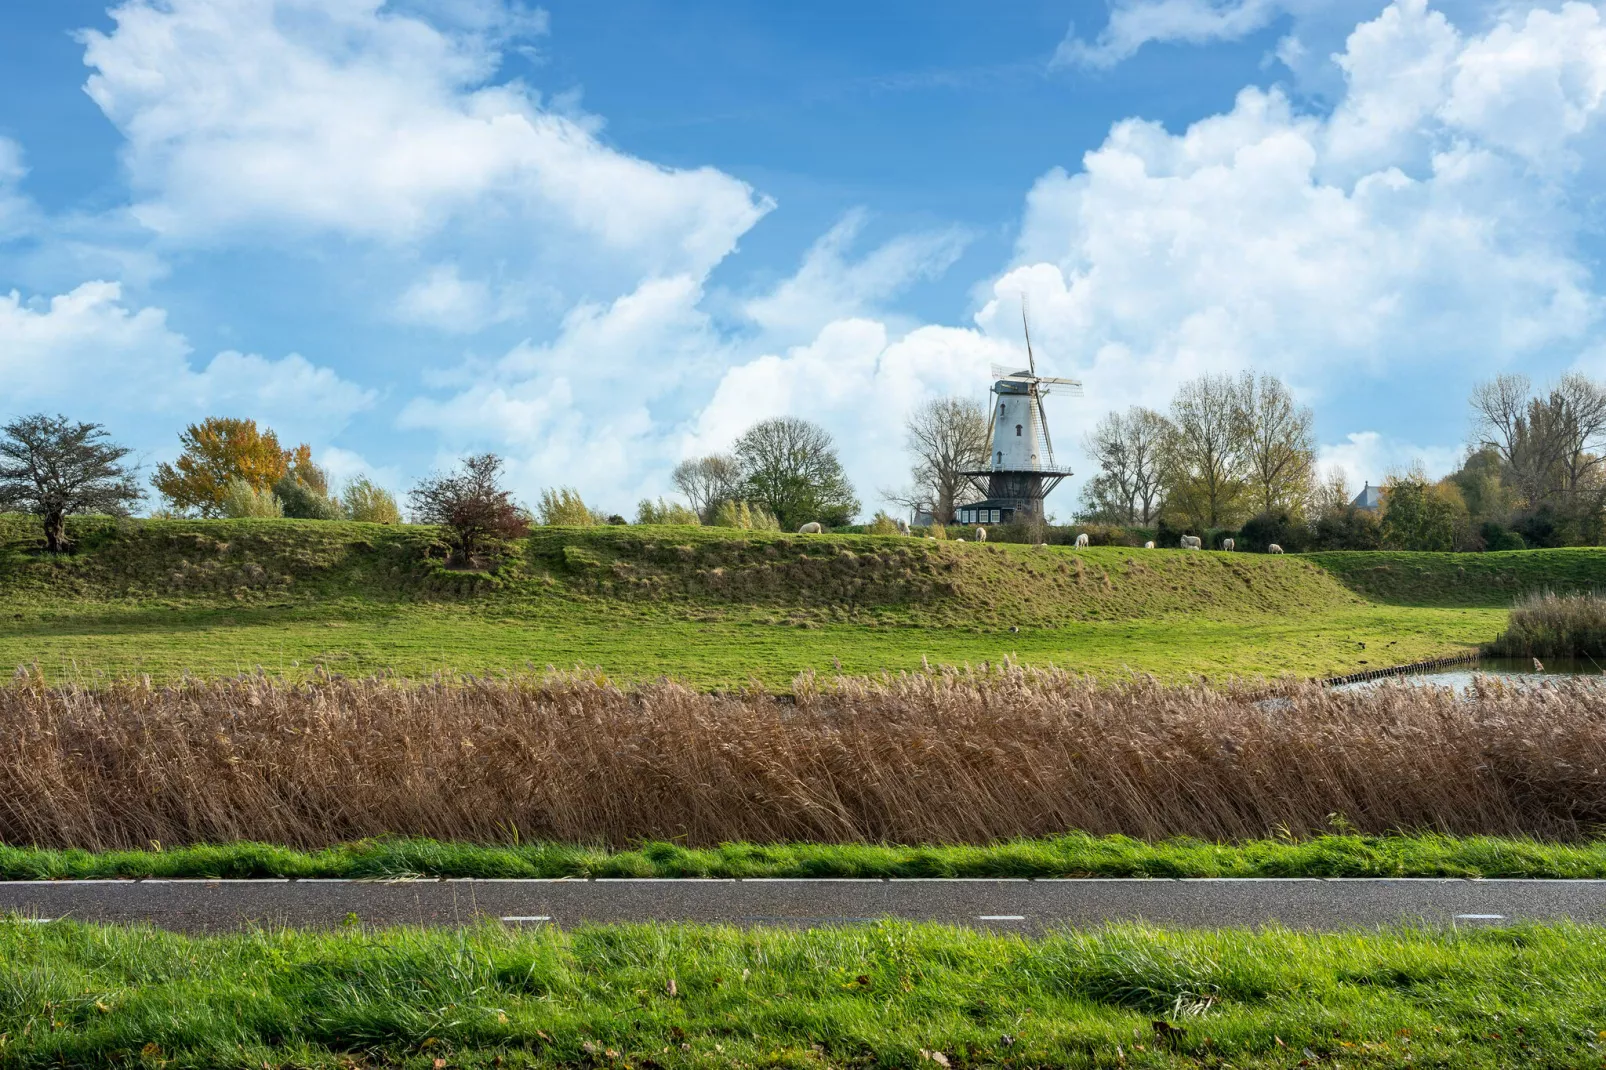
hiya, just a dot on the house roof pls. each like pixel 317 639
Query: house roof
pixel 1370 498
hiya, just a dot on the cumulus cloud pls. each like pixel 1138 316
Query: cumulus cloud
pixel 358 119
pixel 89 346
pixel 1371 457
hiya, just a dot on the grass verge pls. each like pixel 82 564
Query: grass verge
pixel 1070 855
pixel 877 995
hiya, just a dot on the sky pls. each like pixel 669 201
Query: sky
pixel 600 236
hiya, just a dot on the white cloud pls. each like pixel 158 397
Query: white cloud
pixel 449 302
pixel 829 285
pixel 1371 457
pixel 350 117
pixel 343 465
pixel 92 348
pixel 1135 23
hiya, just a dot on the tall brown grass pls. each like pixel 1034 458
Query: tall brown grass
pixel 939 757
pixel 1547 625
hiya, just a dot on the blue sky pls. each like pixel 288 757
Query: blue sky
pixel 600 236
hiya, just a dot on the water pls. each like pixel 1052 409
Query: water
pixel 1518 672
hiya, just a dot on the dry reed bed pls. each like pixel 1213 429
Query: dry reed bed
pixel 941 757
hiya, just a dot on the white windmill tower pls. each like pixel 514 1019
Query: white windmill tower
pixel 1021 469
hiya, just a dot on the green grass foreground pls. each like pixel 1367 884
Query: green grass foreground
pixel 889 994
pixel 1073 855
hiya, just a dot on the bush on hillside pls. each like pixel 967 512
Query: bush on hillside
pixel 370 504
pixel 1261 531
pixel 242 501
pixel 1497 538
pixel 1555 626
pixel 301 501
pixel 1348 528
pixel 744 515
pixel 563 507
pixel 664 512
pixel 471 507
pixel 881 525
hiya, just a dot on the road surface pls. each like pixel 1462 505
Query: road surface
pixel 1028 906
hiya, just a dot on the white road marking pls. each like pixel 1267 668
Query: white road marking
pixel 529 917
pixel 1480 917
pixel 1000 917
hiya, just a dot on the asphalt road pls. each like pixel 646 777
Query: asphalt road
pixel 1022 905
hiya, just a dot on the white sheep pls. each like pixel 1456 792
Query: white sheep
pixel 1274 549
pixel 1228 545
pixel 1192 542
pixel 961 539
pixel 1039 545
pixel 811 528
pixel 981 534
pixel 1149 545
pixel 1081 541
pixel 903 526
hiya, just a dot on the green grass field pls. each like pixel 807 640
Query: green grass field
pixel 719 607
pixel 887 994
pixel 1072 855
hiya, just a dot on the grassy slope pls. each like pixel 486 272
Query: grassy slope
pixel 873 995
pixel 1071 855
pixel 718 606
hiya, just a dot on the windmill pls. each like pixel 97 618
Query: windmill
pixel 1021 469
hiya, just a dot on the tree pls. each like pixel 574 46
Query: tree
pixel 790 467
pixel 1279 448
pixel 1417 515
pixel 1128 448
pixel 1206 452
pixel 947 436
pixel 564 507
pixel 371 504
pixel 707 481
pixel 54 468
pixel 662 512
pixel 217 450
pixel 471 506
pixel 304 489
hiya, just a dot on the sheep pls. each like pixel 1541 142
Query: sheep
pixel 1227 545
pixel 1039 545
pixel 811 528
pixel 981 534
pixel 1192 542
pixel 1274 549
pixel 903 526
pixel 960 539
pixel 1149 545
pixel 1081 541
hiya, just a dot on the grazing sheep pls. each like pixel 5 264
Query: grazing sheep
pixel 960 539
pixel 903 526
pixel 1039 545
pixel 1227 545
pixel 1081 542
pixel 981 534
pixel 811 528
pixel 1274 549
pixel 1192 542
pixel 1149 545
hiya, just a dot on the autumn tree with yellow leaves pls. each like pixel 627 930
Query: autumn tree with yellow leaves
pixel 222 449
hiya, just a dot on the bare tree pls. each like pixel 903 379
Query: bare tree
pixel 1128 448
pixel 471 506
pixel 1550 447
pixel 946 436
pixel 1279 447
pixel 52 468
pixel 1206 454
pixel 1582 427
pixel 707 481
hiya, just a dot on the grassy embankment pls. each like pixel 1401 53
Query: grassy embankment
pixel 719 607
pixel 877 995
pixel 1073 855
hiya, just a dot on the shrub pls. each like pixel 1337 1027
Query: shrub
pixel 303 502
pixel 745 515
pixel 371 504
pixel 1496 537
pixel 881 525
pixel 938 531
pixel 1262 530
pixel 662 512
pixel 243 501
pixel 1555 626
pixel 563 507
pixel 1348 528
